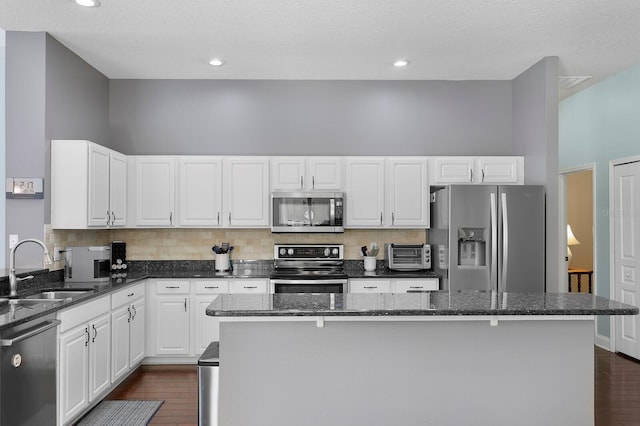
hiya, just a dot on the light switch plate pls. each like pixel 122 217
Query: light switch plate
pixel 13 240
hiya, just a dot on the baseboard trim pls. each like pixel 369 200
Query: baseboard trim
pixel 170 360
pixel 604 342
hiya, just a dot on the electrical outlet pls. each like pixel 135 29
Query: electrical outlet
pixel 13 240
pixel 56 253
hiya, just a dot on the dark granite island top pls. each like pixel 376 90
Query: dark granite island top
pixel 416 304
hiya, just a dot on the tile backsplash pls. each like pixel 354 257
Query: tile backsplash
pixel 195 244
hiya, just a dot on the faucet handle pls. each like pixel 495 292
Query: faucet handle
pixel 28 277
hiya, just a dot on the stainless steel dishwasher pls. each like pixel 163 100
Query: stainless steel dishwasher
pixel 28 373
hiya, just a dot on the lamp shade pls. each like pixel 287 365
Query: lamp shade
pixel 571 239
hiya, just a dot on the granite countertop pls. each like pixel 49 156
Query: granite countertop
pixel 435 303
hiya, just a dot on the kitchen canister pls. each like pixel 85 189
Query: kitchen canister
pixel 369 263
pixel 222 261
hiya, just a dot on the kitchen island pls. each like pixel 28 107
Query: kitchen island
pixel 433 358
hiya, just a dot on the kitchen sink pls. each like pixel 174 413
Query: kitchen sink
pixel 60 294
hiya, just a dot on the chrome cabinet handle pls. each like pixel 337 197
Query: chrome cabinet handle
pixel 218 218
pixel 371 287
pixel 380 218
pixel 134 312
pixel 170 218
pixel 483 175
pixel 129 310
pixel 171 286
pixel 108 217
pixel 86 331
pixel 229 218
pixel 185 304
pixel 211 287
pixel 471 180
pixel 113 218
pixel 393 218
pixel 248 286
pixel 313 182
pixel 95 333
pixel 301 182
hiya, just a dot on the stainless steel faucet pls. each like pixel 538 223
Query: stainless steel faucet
pixel 13 280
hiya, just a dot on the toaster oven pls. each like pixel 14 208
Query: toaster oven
pixel 407 257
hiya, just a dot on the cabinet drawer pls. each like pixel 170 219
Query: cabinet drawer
pixel 404 285
pixel 81 314
pixel 212 286
pixel 369 286
pixel 172 287
pixel 126 295
pixel 248 286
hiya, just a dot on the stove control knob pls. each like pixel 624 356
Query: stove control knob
pixel 283 251
pixel 334 251
pixel 327 252
pixel 290 252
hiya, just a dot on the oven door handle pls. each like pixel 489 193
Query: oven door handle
pixel 32 332
pixel 328 281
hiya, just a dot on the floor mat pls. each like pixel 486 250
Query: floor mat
pixel 121 413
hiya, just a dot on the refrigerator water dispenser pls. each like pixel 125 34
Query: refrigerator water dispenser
pixel 471 247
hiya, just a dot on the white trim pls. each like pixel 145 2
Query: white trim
pixel 604 342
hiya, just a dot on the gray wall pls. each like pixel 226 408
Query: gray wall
pixel 3 238
pixel 535 136
pixel 51 94
pixel 311 117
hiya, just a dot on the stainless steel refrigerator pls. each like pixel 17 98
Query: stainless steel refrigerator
pixel 487 237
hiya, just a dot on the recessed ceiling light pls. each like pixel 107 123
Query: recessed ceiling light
pixel 88 3
pixel 216 62
pixel 401 63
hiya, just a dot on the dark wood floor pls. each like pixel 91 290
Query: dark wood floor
pixel 617 391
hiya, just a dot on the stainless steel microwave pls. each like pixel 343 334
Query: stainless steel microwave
pixel 307 212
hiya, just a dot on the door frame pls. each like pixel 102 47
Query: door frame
pixel 612 284
pixel 562 192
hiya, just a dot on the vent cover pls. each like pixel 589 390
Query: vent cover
pixel 572 81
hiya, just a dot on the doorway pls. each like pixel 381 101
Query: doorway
pixel 577 229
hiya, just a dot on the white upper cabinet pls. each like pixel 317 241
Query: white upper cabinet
pixel 154 195
pixel 88 185
pixel 387 192
pixel 408 192
pixel 494 170
pixel 306 173
pixel 200 191
pixel 364 195
pixel 246 192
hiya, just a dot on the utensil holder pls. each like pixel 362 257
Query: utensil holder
pixel 369 263
pixel 222 262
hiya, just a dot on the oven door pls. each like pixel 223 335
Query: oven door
pixel 309 286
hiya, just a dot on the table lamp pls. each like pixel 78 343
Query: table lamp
pixel 571 241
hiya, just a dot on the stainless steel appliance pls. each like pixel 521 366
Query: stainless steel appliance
pixel 487 237
pixel 208 385
pixel 92 263
pixel 28 373
pixel 307 212
pixel 407 257
pixel 309 268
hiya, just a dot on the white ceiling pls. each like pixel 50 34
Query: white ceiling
pixel 338 39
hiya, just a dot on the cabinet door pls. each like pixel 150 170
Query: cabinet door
pixel 408 193
pixel 120 319
pixel 99 356
pixel 137 333
pixel 99 210
pixel 324 173
pixel 365 192
pixel 206 328
pixel 172 325
pixel 200 191
pixel 247 192
pixel 369 286
pixel 287 173
pixel 118 188
pixel 73 375
pixel 155 186
pixel 498 169
pixel 454 170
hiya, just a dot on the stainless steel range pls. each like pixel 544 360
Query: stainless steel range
pixel 309 268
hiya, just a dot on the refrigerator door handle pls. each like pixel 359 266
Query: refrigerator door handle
pixel 494 237
pixel 505 241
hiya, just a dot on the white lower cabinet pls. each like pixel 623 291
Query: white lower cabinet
pixel 395 285
pixel 127 330
pixel 84 361
pixel 178 324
